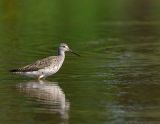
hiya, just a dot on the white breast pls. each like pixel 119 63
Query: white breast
pixel 50 70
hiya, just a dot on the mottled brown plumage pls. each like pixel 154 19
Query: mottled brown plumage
pixel 39 64
pixel 45 67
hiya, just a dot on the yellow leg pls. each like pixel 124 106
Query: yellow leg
pixel 40 77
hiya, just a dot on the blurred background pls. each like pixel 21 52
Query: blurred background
pixel 115 81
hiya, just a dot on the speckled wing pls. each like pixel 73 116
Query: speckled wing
pixel 39 64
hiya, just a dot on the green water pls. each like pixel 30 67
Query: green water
pixel 115 81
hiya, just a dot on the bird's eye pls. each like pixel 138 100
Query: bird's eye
pixel 63 46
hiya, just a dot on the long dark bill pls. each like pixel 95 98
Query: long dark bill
pixel 74 53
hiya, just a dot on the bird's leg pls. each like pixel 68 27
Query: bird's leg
pixel 40 77
pixel 43 78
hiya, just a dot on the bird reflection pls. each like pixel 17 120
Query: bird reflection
pixel 48 94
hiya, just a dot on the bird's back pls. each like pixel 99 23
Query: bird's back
pixel 39 64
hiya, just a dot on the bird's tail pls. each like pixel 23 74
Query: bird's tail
pixel 13 70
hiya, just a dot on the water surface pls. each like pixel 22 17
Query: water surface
pixel 115 81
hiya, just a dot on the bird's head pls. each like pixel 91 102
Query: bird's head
pixel 63 47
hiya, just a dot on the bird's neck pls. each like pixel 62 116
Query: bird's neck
pixel 61 53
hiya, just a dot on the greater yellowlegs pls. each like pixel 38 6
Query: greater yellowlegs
pixel 45 67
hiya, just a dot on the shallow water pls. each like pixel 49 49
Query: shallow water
pixel 115 81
